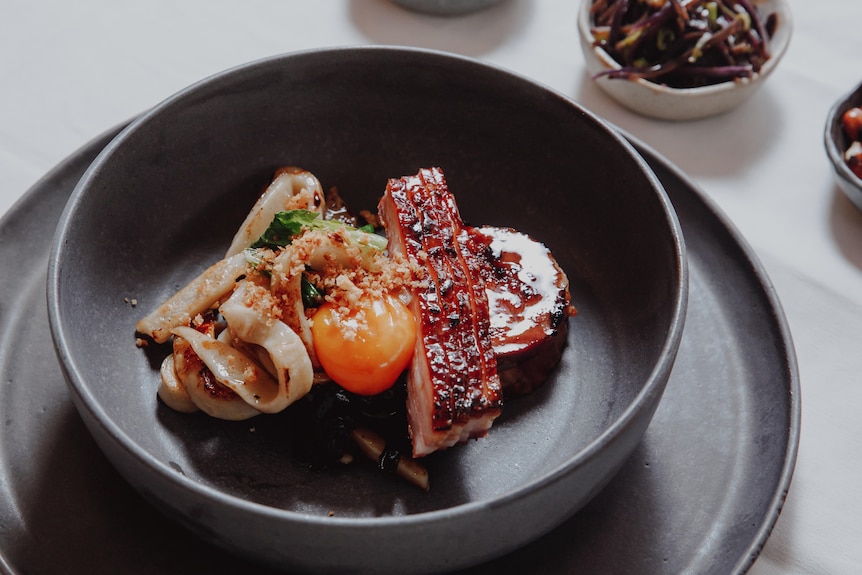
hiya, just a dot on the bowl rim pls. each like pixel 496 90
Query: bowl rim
pixel 778 50
pixel 84 398
pixel 833 129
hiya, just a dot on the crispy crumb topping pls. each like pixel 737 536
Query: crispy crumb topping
pixel 340 269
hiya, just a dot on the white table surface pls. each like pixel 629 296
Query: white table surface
pixel 70 70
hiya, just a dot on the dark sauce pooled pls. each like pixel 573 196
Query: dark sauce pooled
pixel 320 423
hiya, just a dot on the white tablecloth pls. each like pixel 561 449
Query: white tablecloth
pixel 70 70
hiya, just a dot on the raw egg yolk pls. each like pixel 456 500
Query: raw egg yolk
pixel 366 348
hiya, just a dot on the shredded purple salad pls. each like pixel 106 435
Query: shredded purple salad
pixel 682 43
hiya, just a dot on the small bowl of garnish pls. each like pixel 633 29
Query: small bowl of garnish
pixel 677 60
pixel 373 330
pixel 843 140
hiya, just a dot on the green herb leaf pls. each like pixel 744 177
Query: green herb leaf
pixel 311 296
pixel 284 227
pixel 287 225
pixel 252 257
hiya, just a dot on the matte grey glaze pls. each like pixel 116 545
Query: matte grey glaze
pixel 836 142
pixel 165 197
pixel 675 505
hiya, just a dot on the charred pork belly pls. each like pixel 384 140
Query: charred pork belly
pixel 529 303
pixel 454 391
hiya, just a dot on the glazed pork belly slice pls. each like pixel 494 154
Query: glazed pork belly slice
pixel 453 389
pixel 529 304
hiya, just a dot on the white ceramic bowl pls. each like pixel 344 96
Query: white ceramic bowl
pixel 665 103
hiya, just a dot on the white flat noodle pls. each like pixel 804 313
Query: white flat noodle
pixel 337 248
pixel 257 353
pixel 294 315
pixel 328 253
pixel 224 337
pixel 171 389
pixel 276 198
pixel 235 370
pixel 198 296
pixel 248 321
pixel 222 403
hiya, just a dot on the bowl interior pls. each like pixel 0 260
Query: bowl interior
pixel 164 199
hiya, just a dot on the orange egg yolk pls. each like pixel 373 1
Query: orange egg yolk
pixel 366 348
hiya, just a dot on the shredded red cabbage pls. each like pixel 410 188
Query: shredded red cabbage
pixel 682 43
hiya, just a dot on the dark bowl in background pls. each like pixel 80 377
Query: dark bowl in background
pixel 837 142
pixel 165 197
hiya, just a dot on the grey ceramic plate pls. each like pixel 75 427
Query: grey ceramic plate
pixel 700 494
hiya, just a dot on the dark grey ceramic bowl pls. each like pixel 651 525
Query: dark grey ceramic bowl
pixel 836 142
pixel 165 197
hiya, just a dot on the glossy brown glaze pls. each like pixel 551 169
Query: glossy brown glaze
pixel 529 305
pixel 454 391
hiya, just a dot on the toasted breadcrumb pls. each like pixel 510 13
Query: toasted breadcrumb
pixel 341 271
pixel 304 199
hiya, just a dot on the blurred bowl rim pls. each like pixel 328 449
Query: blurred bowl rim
pixel 833 131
